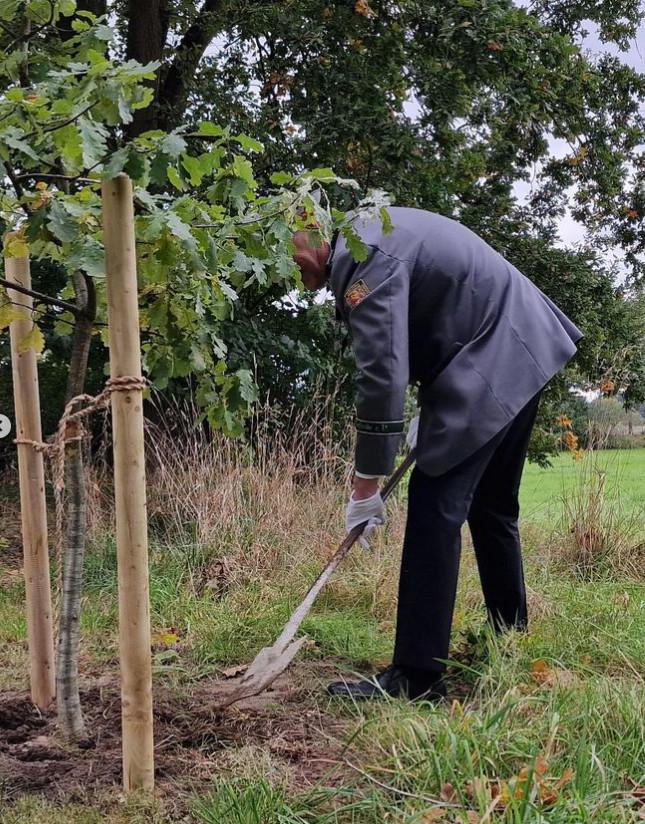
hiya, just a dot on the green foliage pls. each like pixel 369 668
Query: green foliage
pixel 208 234
pixel 447 106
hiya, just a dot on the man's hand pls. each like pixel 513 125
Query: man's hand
pixel 370 509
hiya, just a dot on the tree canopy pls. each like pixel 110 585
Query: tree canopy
pixel 207 230
pixel 446 106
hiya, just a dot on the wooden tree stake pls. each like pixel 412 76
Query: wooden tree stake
pixel 129 486
pixel 32 486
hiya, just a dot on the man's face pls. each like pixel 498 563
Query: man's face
pixel 311 259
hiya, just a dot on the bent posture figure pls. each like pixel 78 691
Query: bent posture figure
pixel 435 305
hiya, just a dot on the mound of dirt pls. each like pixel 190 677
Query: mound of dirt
pixel 35 759
pixel 192 740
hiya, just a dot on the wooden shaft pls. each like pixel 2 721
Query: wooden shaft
pixel 129 486
pixel 293 624
pixel 33 508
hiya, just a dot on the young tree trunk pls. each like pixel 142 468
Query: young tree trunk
pixel 70 715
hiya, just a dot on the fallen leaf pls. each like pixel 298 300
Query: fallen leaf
pixel 548 792
pixel 547 796
pixel 540 671
pixel 233 672
pixel 566 776
pixel 434 815
pixel 480 788
pixel 621 599
pixel 520 785
pixel 168 637
pixel 547 676
pixel 448 793
pixel 504 794
pixel 541 765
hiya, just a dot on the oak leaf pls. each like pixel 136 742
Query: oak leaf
pixel 9 313
pixel 32 340
pixel 15 246
pixel 363 8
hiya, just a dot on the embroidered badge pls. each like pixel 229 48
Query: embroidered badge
pixel 356 293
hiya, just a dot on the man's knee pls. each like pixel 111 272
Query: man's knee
pixel 503 511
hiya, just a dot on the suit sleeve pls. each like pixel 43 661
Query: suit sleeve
pixel 378 322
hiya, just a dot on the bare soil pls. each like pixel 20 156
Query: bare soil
pixel 192 741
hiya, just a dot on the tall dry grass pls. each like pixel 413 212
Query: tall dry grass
pixel 266 510
pixel 200 483
pixel 600 536
pixel 204 485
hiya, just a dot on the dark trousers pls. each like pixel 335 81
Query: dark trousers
pixel 483 490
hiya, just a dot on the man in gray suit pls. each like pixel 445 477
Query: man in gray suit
pixel 434 305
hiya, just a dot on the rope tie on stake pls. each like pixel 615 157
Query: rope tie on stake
pixel 54 447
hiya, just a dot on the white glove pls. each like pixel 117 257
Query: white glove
pixel 370 509
pixel 413 431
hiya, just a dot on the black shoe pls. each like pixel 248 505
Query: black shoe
pixel 394 681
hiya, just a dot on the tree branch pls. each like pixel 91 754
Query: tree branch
pixel 61 304
pixel 63 123
pixel 52 178
pixel 35 311
pixel 15 182
pixel 8 31
pixel 30 33
pixel 181 72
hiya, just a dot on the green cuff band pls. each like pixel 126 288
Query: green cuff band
pixel 379 427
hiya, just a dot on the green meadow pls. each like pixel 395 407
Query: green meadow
pixel 545 727
pixel 543 490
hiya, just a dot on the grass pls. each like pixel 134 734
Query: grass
pixel 543 490
pixel 547 727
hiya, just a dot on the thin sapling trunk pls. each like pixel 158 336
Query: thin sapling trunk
pixel 70 715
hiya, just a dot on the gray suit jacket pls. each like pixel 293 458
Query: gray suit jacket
pixel 435 305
